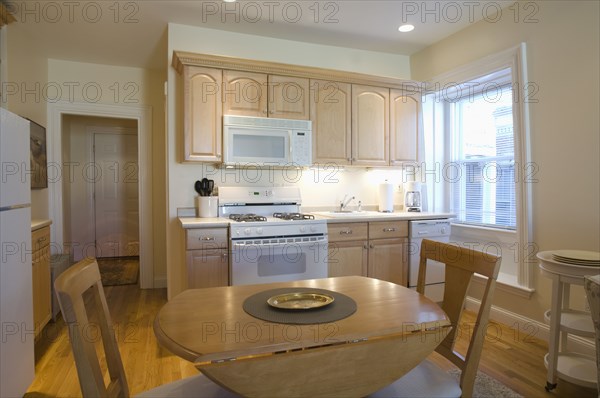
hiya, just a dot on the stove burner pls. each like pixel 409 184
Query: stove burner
pixel 246 217
pixel 294 216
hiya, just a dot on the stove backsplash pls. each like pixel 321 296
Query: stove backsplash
pixel 322 188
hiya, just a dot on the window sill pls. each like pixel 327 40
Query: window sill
pixel 507 285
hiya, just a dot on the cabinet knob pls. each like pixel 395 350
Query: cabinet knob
pixel 207 238
pixel 371 246
pixel 264 111
pixel 365 246
pixel 346 232
pixel 389 230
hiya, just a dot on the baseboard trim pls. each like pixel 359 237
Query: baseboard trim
pixel 160 282
pixel 531 328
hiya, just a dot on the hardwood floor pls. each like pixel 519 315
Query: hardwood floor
pixel 515 360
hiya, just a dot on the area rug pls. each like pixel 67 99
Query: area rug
pixel 119 270
pixel 488 387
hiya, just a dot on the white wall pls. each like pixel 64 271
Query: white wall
pixel 323 192
pixel 563 59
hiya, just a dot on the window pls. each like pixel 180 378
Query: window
pixel 476 152
pixel 482 142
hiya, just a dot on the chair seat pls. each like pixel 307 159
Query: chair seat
pixel 425 380
pixel 196 386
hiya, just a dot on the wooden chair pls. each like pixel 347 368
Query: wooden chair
pixel 70 287
pixel 592 291
pixel 427 379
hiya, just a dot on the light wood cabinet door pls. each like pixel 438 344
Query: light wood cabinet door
pixel 370 125
pixel 347 258
pixel 288 97
pixel 388 260
pixel 404 126
pixel 244 93
pixel 331 116
pixel 207 268
pixel 203 112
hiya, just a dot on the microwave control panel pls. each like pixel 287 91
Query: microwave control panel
pixel 302 148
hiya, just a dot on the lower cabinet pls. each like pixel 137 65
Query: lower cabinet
pixel 375 249
pixel 40 270
pixel 207 257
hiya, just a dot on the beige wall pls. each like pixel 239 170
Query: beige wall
pixel 563 63
pixel 26 74
pixel 324 192
pixel 126 86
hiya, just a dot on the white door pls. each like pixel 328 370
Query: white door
pixel 116 195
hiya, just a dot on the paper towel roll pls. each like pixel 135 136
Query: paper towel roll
pixel 386 197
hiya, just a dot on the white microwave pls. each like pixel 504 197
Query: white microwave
pixel 261 141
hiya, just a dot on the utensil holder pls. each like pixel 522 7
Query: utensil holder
pixel 207 206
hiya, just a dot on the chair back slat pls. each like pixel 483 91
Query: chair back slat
pixel 70 288
pixel 460 265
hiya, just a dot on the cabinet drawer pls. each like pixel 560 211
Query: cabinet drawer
pixel 388 229
pixel 347 231
pixel 40 238
pixel 206 238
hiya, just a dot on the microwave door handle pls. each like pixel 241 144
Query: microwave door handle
pixel 291 147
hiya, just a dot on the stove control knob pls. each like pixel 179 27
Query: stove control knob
pixel 443 230
pixel 303 229
pixel 259 231
pixel 313 228
pixel 247 231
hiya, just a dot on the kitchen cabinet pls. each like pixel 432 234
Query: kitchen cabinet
pixel 370 125
pixel 263 95
pixel 244 93
pixel 207 257
pixel 331 116
pixel 348 249
pixel 404 126
pixel 203 133
pixel 375 249
pixel 40 261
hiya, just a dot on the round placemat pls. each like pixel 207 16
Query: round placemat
pixel 342 307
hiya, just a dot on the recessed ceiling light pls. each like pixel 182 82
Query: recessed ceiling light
pixel 406 28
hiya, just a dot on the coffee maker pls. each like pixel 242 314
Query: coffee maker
pixel 412 196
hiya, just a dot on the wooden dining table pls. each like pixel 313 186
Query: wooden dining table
pixel 393 329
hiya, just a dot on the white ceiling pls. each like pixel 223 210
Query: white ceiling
pixel 134 33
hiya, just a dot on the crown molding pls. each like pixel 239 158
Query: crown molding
pixel 182 59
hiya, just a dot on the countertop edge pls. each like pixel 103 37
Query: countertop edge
pixel 39 223
pixel 222 222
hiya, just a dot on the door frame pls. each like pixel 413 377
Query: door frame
pixel 143 116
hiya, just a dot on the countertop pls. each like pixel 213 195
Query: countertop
pixel 222 222
pixel 39 223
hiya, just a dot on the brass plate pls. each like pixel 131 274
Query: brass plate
pixel 300 300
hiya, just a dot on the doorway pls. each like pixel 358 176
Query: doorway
pixel 101 194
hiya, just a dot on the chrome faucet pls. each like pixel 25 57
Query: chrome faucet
pixel 344 203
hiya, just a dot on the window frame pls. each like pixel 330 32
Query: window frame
pixel 514 59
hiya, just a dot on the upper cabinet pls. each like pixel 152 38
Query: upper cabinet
pixel 357 119
pixel 262 95
pixel 244 93
pixel 203 134
pixel 404 126
pixel 331 116
pixel 370 125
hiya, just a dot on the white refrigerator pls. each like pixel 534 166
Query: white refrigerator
pixel 16 302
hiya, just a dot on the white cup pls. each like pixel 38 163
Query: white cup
pixel 207 206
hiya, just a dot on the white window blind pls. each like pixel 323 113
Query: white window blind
pixel 483 153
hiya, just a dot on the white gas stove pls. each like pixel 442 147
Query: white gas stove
pixel 271 241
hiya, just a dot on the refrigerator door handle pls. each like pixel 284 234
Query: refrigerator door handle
pixel 13 207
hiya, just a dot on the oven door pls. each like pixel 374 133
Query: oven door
pixel 278 260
